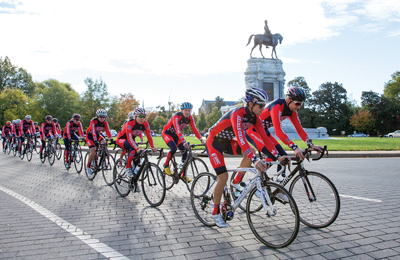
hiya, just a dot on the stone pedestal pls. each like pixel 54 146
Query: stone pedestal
pixel 267 74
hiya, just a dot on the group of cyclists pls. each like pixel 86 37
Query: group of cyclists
pixel 231 134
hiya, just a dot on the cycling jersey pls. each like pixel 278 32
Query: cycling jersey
pixel 6 130
pixel 58 128
pixel 47 129
pixel 132 129
pixel 27 128
pixel 275 113
pixel 16 130
pixel 97 127
pixel 177 123
pixel 140 136
pixel 70 128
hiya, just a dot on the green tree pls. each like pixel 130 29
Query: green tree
pixel 201 122
pixel 219 102
pixel 12 104
pixel 115 117
pixel 331 108
pixel 370 99
pixel 13 77
pixel 213 117
pixel 57 99
pixel 392 88
pixel 158 124
pixel 96 96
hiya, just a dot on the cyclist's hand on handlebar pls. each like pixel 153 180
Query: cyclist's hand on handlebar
pixel 299 153
pixel 186 145
pixel 284 160
pixel 154 149
pixel 317 148
pixel 202 141
pixel 260 165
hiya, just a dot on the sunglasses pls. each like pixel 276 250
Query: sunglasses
pixel 262 105
pixel 141 116
pixel 298 103
pixel 102 116
pixel 77 120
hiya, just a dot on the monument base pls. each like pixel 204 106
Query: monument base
pixel 290 131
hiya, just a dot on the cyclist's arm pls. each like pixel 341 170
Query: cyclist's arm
pixel 42 132
pixel 3 130
pixel 148 134
pixel 54 128
pixel 107 130
pixel 236 120
pixel 129 136
pixel 175 121
pixel 276 122
pixel 21 129
pixel 294 118
pixel 80 130
pixel 194 128
pixel 267 141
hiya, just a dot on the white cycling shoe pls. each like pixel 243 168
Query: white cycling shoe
pixel 282 196
pixel 219 221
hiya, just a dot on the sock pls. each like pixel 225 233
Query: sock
pixel 216 210
pixel 238 178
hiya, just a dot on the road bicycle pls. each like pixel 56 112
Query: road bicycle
pixel 27 148
pixel 74 156
pixel 36 142
pixel 15 146
pixel 48 152
pixel 192 167
pixel 150 175
pixel 8 145
pixel 103 161
pixel 57 147
pixel 273 220
pixel 119 150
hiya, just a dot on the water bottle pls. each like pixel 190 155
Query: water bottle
pixel 136 170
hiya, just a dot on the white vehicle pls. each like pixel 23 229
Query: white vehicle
pixel 394 134
pixel 113 133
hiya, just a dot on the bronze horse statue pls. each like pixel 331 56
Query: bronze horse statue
pixel 262 39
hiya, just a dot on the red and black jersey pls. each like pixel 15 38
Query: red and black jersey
pixel 70 128
pixel 58 128
pixel 37 128
pixel 47 129
pixel 177 123
pixel 17 132
pixel 7 129
pixel 132 129
pixel 27 128
pixel 275 113
pixel 97 127
pixel 234 123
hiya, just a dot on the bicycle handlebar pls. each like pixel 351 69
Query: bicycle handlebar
pixel 307 153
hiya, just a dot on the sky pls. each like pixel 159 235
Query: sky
pixel 187 51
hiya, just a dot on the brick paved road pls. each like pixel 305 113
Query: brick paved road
pixel 128 226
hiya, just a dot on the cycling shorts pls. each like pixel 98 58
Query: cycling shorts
pixel 215 149
pixel 90 141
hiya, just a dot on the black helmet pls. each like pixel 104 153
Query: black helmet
pixel 76 116
pixel 55 120
pixel 295 93
pixel 48 117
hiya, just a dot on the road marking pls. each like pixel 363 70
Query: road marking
pixel 85 237
pixel 359 198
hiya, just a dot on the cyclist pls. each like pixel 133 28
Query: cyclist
pixel 37 130
pixel 277 111
pixel 173 137
pixel 126 138
pixel 15 130
pixel 69 133
pixel 26 129
pixel 58 128
pixel 47 130
pixel 93 136
pixel 228 135
pixel 6 132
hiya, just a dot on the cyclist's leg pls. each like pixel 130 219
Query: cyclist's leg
pixel 120 143
pixel 92 148
pixel 171 142
pixel 21 141
pixel 4 142
pixel 131 155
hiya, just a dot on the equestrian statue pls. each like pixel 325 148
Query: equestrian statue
pixel 267 39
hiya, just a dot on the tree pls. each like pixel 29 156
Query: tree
pixel 57 99
pixel 331 108
pixel 219 102
pixel 201 122
pixel 114 116
pixel 13 77
pixel 209 108
pixel 392 88
pixel 213 117
pixel 363 120
pixel 158 124
pixel 370 99
pixel 95 97
pixel 12 104
pixel 151 117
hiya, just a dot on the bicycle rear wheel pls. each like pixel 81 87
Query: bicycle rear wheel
pixel 9 147
pixel 58 151
pixel 324 209
pixel 202 197
pixel 169 179
pixel 23 151
pixel 278 228
pixel 153 184
pixel 37 146
pixel 121 182
pixel 193 169
pixel 90 177
pixel 78 159
pixel 107 168
pixel 28 151
pixel 51 155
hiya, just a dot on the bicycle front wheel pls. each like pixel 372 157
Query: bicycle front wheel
pixel 9 146
pixel 153 184
pixel 108 169
pixel 202 197
pixel 90 177
pixel 29 150
pixel 169 179
pixel 52 155
pixel 58 151
pixel 122 181
pixel 193 169
pixel 78 159
pixel 319 211
pixel 37 146
pixel 279 227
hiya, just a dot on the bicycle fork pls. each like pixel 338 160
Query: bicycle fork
pixel 307 186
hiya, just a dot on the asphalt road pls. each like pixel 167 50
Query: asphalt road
pixel 47 212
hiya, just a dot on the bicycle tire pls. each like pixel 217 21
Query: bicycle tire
pixel 44 154
pixel 65 161
pixel 153 184
pixel 107 168
pixel 321 212
pixel 90 177
pixel 78 159
pixel 9 147
pixel 29 153
pixel 37 146
pixel 193 169
pixel 23 151
pixel 169 179
pixel 52 156
pixel 121 182
pixel 201 197
pixel 58 151
pixel 275 231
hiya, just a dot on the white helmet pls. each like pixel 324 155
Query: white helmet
pixel 28 117
pixel 131 115
pixel 101 112
pixel 18 121
pixel 256 95
pixel 13 121
pixel 139 111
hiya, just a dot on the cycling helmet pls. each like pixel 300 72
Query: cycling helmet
pixel 8 123
pixel 101 112
pixel 35 123
pixel 48 117
pixel 55 120
pixel 76 116
pixel 295 93
pixel 18 121
pixel 13 121
pixel 186 105
pixel 131 115
pixel 139 111
pixel 255 95
pixel 28 117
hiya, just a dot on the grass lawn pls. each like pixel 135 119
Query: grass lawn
pixel 334 144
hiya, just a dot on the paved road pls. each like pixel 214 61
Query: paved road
pixel 47 212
